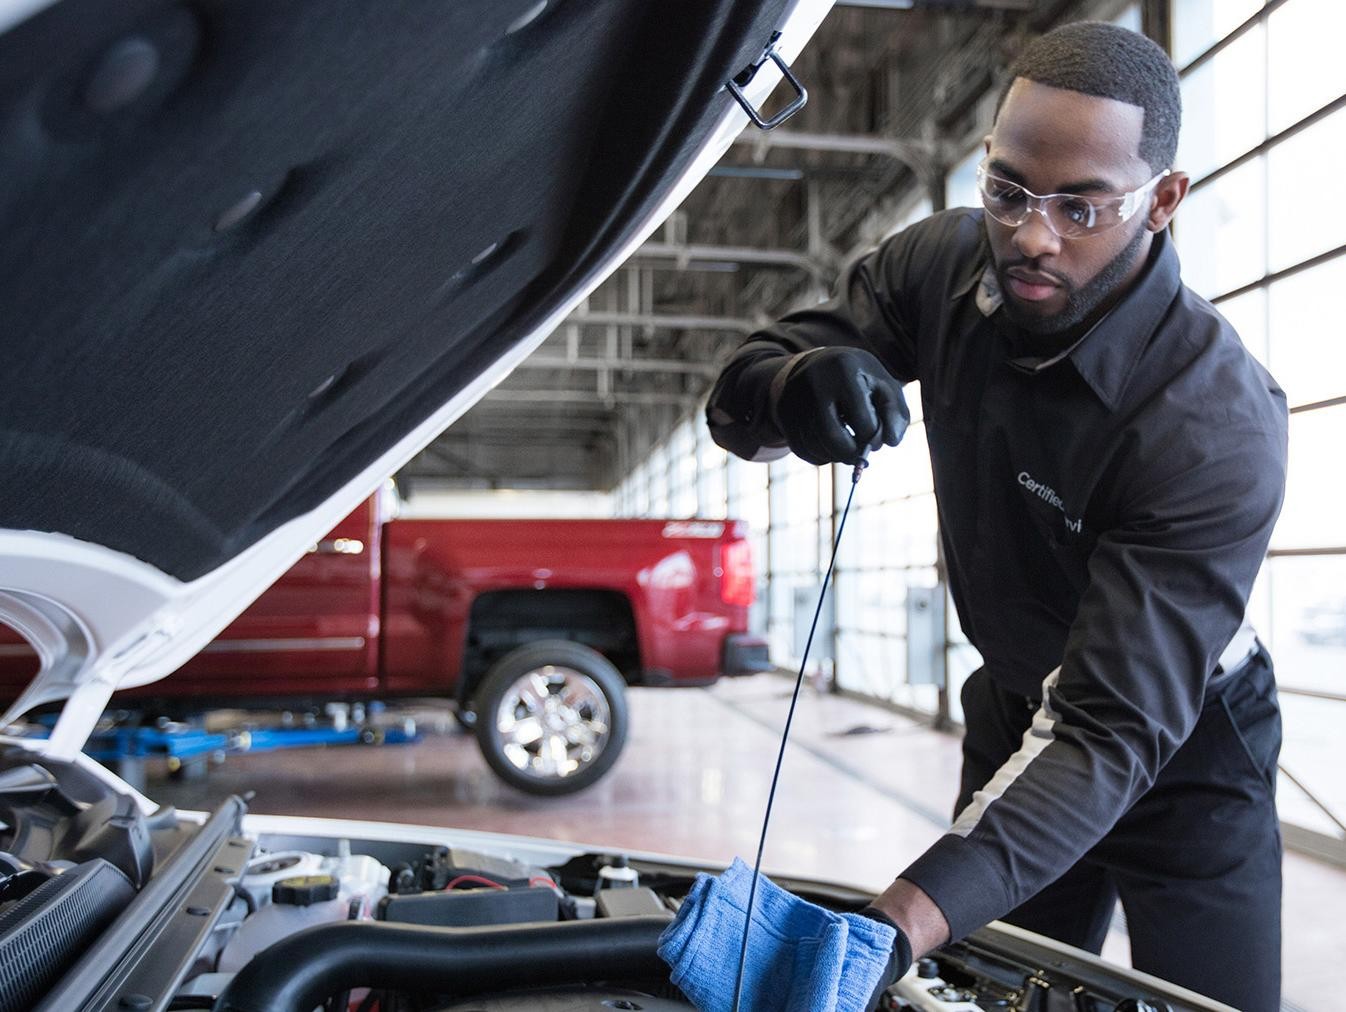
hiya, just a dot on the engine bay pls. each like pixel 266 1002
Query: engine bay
pixel 105 907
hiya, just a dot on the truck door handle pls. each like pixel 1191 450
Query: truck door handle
pixel 338 546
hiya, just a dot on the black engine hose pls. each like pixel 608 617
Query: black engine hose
pixel 298 973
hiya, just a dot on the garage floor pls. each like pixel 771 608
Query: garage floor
pixel 862 793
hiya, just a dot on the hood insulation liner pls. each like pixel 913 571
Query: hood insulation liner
pixel 248 244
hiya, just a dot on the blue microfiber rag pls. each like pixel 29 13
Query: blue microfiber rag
pixel 801 958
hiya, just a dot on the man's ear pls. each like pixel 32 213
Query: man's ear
pixel 1168 194
pixel 987 142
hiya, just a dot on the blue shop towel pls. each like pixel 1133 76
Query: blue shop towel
pixel 801 958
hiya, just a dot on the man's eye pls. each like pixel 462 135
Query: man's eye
pixel 1005 193
pixel 1080 212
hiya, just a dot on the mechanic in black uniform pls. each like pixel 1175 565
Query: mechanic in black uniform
pixel 1109 462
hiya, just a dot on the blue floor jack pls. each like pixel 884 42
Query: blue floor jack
pixel 190 749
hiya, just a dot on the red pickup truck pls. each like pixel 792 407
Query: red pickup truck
pixel 535 625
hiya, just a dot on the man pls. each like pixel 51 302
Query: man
pixel 1109 462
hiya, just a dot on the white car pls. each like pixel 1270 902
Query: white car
pixel 253 257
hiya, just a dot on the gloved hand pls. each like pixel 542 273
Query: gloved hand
pixel 898 963
pixel 835 404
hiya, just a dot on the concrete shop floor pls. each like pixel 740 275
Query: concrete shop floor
pixel 863 791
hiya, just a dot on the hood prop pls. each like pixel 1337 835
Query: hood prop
pixel 745 78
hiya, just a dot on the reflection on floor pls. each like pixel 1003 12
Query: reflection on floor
pixel 863 791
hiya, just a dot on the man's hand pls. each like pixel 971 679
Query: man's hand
pixel 898 962
pixel 836 404
pixel 920 927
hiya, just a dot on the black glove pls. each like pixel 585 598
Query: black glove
pixel 898 963
pixel 836 404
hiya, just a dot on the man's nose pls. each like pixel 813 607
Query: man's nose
pixel 1034 238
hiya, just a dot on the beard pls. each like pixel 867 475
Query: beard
pixel 1082 300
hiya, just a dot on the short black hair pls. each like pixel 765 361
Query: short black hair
pixel 1108 61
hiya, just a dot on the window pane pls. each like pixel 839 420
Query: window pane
pixel 883 479
pixel 787 641
pixel 682 503
pixel 960 187
pixel 912 392
pixel 1129 18
pixel 1306 359
pixel 879 481
pixel 1308 644
pixel 1199 24
pixel 751 500
pixel 1248 314
pixel 872 646
pixel 801 484
pixel 712 489
pixel 659 484
pixel 1259 606
pixel 1313 752
pixel 1308 622
pixel 682 459
pixel 748 502
pixel 921 698
pixel 1304 54
pixel 638 491
pixel 757 611
pixel 1221 231
pixel 869 663
pixel 917 212
pixel 911 460
pixel 915 525
pixel 1224 107
pixel 1303 191
pixel 1312 516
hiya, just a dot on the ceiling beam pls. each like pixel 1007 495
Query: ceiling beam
pixel 665 365
pixel 921 156
pixel 683 253
pixel 559 424
pixel 906 5
pixel 576 445
pixel 664 321
pixel 506 395
pixel 436 453
pixel 596 413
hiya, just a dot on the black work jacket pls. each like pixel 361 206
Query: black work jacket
pixel 1102 514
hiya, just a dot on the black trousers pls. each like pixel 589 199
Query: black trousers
pixel 1196 862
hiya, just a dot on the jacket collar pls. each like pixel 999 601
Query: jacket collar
pixel 1106 355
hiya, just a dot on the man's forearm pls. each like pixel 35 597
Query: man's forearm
pixel 916 914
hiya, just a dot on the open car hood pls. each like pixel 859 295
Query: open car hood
pixel 257 255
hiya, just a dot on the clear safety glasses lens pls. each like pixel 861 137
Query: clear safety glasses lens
pixel 1068 215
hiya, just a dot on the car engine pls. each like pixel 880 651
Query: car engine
pixel 105 908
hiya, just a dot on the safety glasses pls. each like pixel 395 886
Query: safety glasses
pixel 1068 215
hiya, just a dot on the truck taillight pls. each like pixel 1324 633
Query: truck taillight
pixel 736 579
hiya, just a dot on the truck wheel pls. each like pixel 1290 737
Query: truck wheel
pixel 551 717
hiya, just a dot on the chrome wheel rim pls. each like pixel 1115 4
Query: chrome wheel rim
pixel 553 722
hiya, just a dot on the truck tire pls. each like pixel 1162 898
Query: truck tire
pixel 551 717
